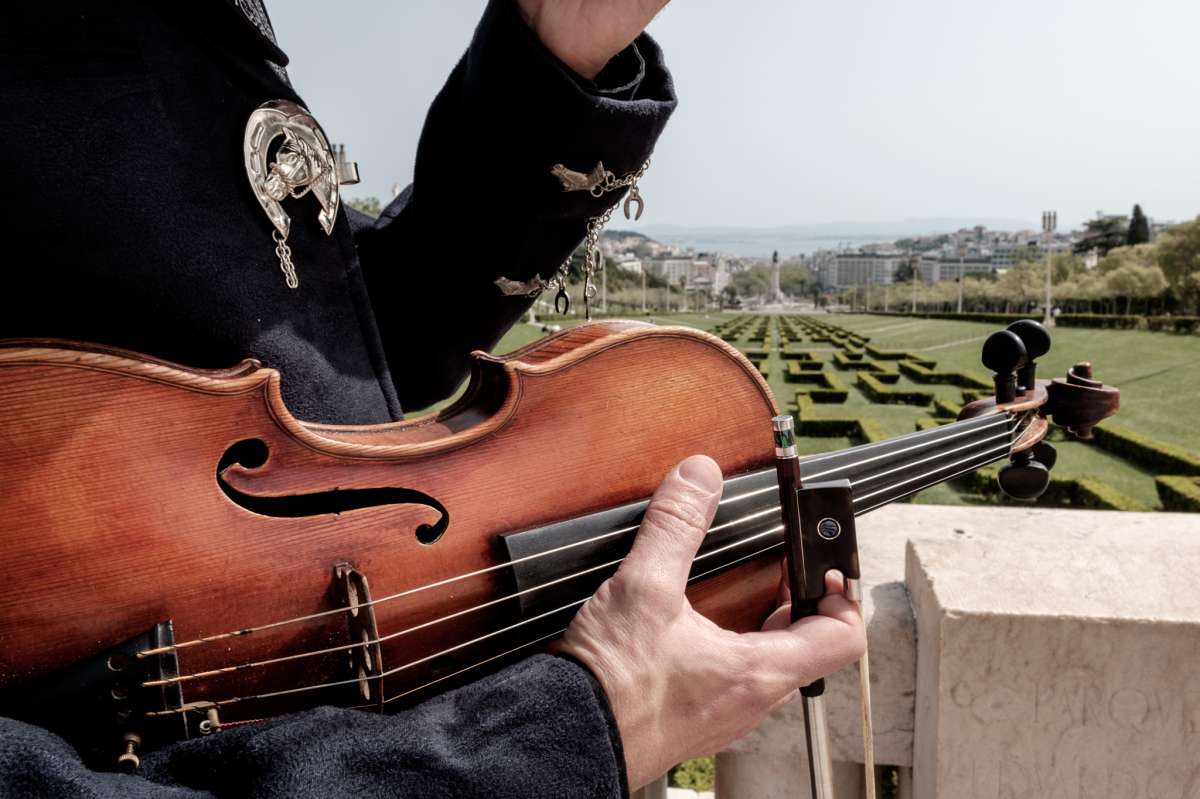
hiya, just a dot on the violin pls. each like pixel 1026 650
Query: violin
pixel 182 554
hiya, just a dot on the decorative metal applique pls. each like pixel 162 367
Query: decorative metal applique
pixel 304 163
pixel 597 183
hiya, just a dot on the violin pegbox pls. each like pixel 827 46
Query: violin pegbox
pixel 1077 402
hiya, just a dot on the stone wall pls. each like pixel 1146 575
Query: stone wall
pixel 1015 653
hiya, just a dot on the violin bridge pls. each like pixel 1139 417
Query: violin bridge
pixel 365 662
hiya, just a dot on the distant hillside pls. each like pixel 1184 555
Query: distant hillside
pixel 791 240
pixel 623 234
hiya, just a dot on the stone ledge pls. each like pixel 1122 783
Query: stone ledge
pixel 1089 566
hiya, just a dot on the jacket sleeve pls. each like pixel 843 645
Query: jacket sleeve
pixel 541 728
pixel 484 204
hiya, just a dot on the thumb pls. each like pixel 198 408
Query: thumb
pixel 673 526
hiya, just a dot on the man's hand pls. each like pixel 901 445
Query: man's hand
pixel 585 34
pixel 679 685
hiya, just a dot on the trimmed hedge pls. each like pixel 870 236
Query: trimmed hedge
pixel 888 355
pixel 870 431
pixel 900 355
pixel 997 318
pixel 878 392
pixel 866 430
pixel 827 387
pixel 1178 492
pixel 882 373
pixel 1089 493
pixel 944 409
pixel 1154 456
pixel 845 360
pixel 923 374
pixel 1164 324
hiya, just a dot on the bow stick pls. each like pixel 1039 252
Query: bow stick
pixel 819 536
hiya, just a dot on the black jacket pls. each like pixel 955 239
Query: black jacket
pixel 128 220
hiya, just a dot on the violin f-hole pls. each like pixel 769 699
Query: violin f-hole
pixel 253 453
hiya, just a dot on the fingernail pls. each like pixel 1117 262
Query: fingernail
pixel 702 473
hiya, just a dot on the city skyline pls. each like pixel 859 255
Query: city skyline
pixel 820 112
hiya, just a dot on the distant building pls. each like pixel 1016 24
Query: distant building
pixel 673 270
pixel 628 261
pixel 934 269
pixel 848 269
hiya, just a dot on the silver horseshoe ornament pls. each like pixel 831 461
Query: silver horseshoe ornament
pixel 303 163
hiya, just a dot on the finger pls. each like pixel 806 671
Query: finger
pixel 673 526
pixel 780 618
pixel 829 604
pixel 834 604
pixel 783 596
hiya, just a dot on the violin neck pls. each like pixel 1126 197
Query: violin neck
pixel 748 523
pixel 890 470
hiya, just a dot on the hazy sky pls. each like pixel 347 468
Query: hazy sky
pixel 808 111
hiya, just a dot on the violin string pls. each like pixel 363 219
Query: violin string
pixel 355 681
pixel 425 659
pixel 1002 418
pixel 408 592
pixel 478 639
pixel 968 469
pixel 384 638
pixel 506 597
pixel 560 632
pixel 887 489
pixel 554 634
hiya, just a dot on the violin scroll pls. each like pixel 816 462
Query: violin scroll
pixel 1080 402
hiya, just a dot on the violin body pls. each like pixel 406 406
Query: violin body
pixel 126 503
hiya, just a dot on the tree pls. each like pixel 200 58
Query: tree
pixel 1178 251
pixel 368 205
pixel 1139 228
pixel 1103 234
pixel 1135 281
pixel 753 282
pixel 1138 255
pixel 905 271
pixel 794 278
pixel 1022 285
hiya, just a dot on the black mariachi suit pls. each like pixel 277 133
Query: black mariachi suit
pixel 130 222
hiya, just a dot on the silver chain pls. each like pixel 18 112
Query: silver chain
pixel 285 259
pixel 598 182
pixel 593 259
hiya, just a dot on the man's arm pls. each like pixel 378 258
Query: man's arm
pixel 483 203
pixel 538 729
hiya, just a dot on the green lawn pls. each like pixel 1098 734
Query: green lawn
pixel 1158 374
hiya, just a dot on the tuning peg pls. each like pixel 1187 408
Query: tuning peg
pixel 1045 454
pixel 1025 478
pixel 1004 353
pixel 1036 339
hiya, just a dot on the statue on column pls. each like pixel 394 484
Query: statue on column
pixel 776 296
